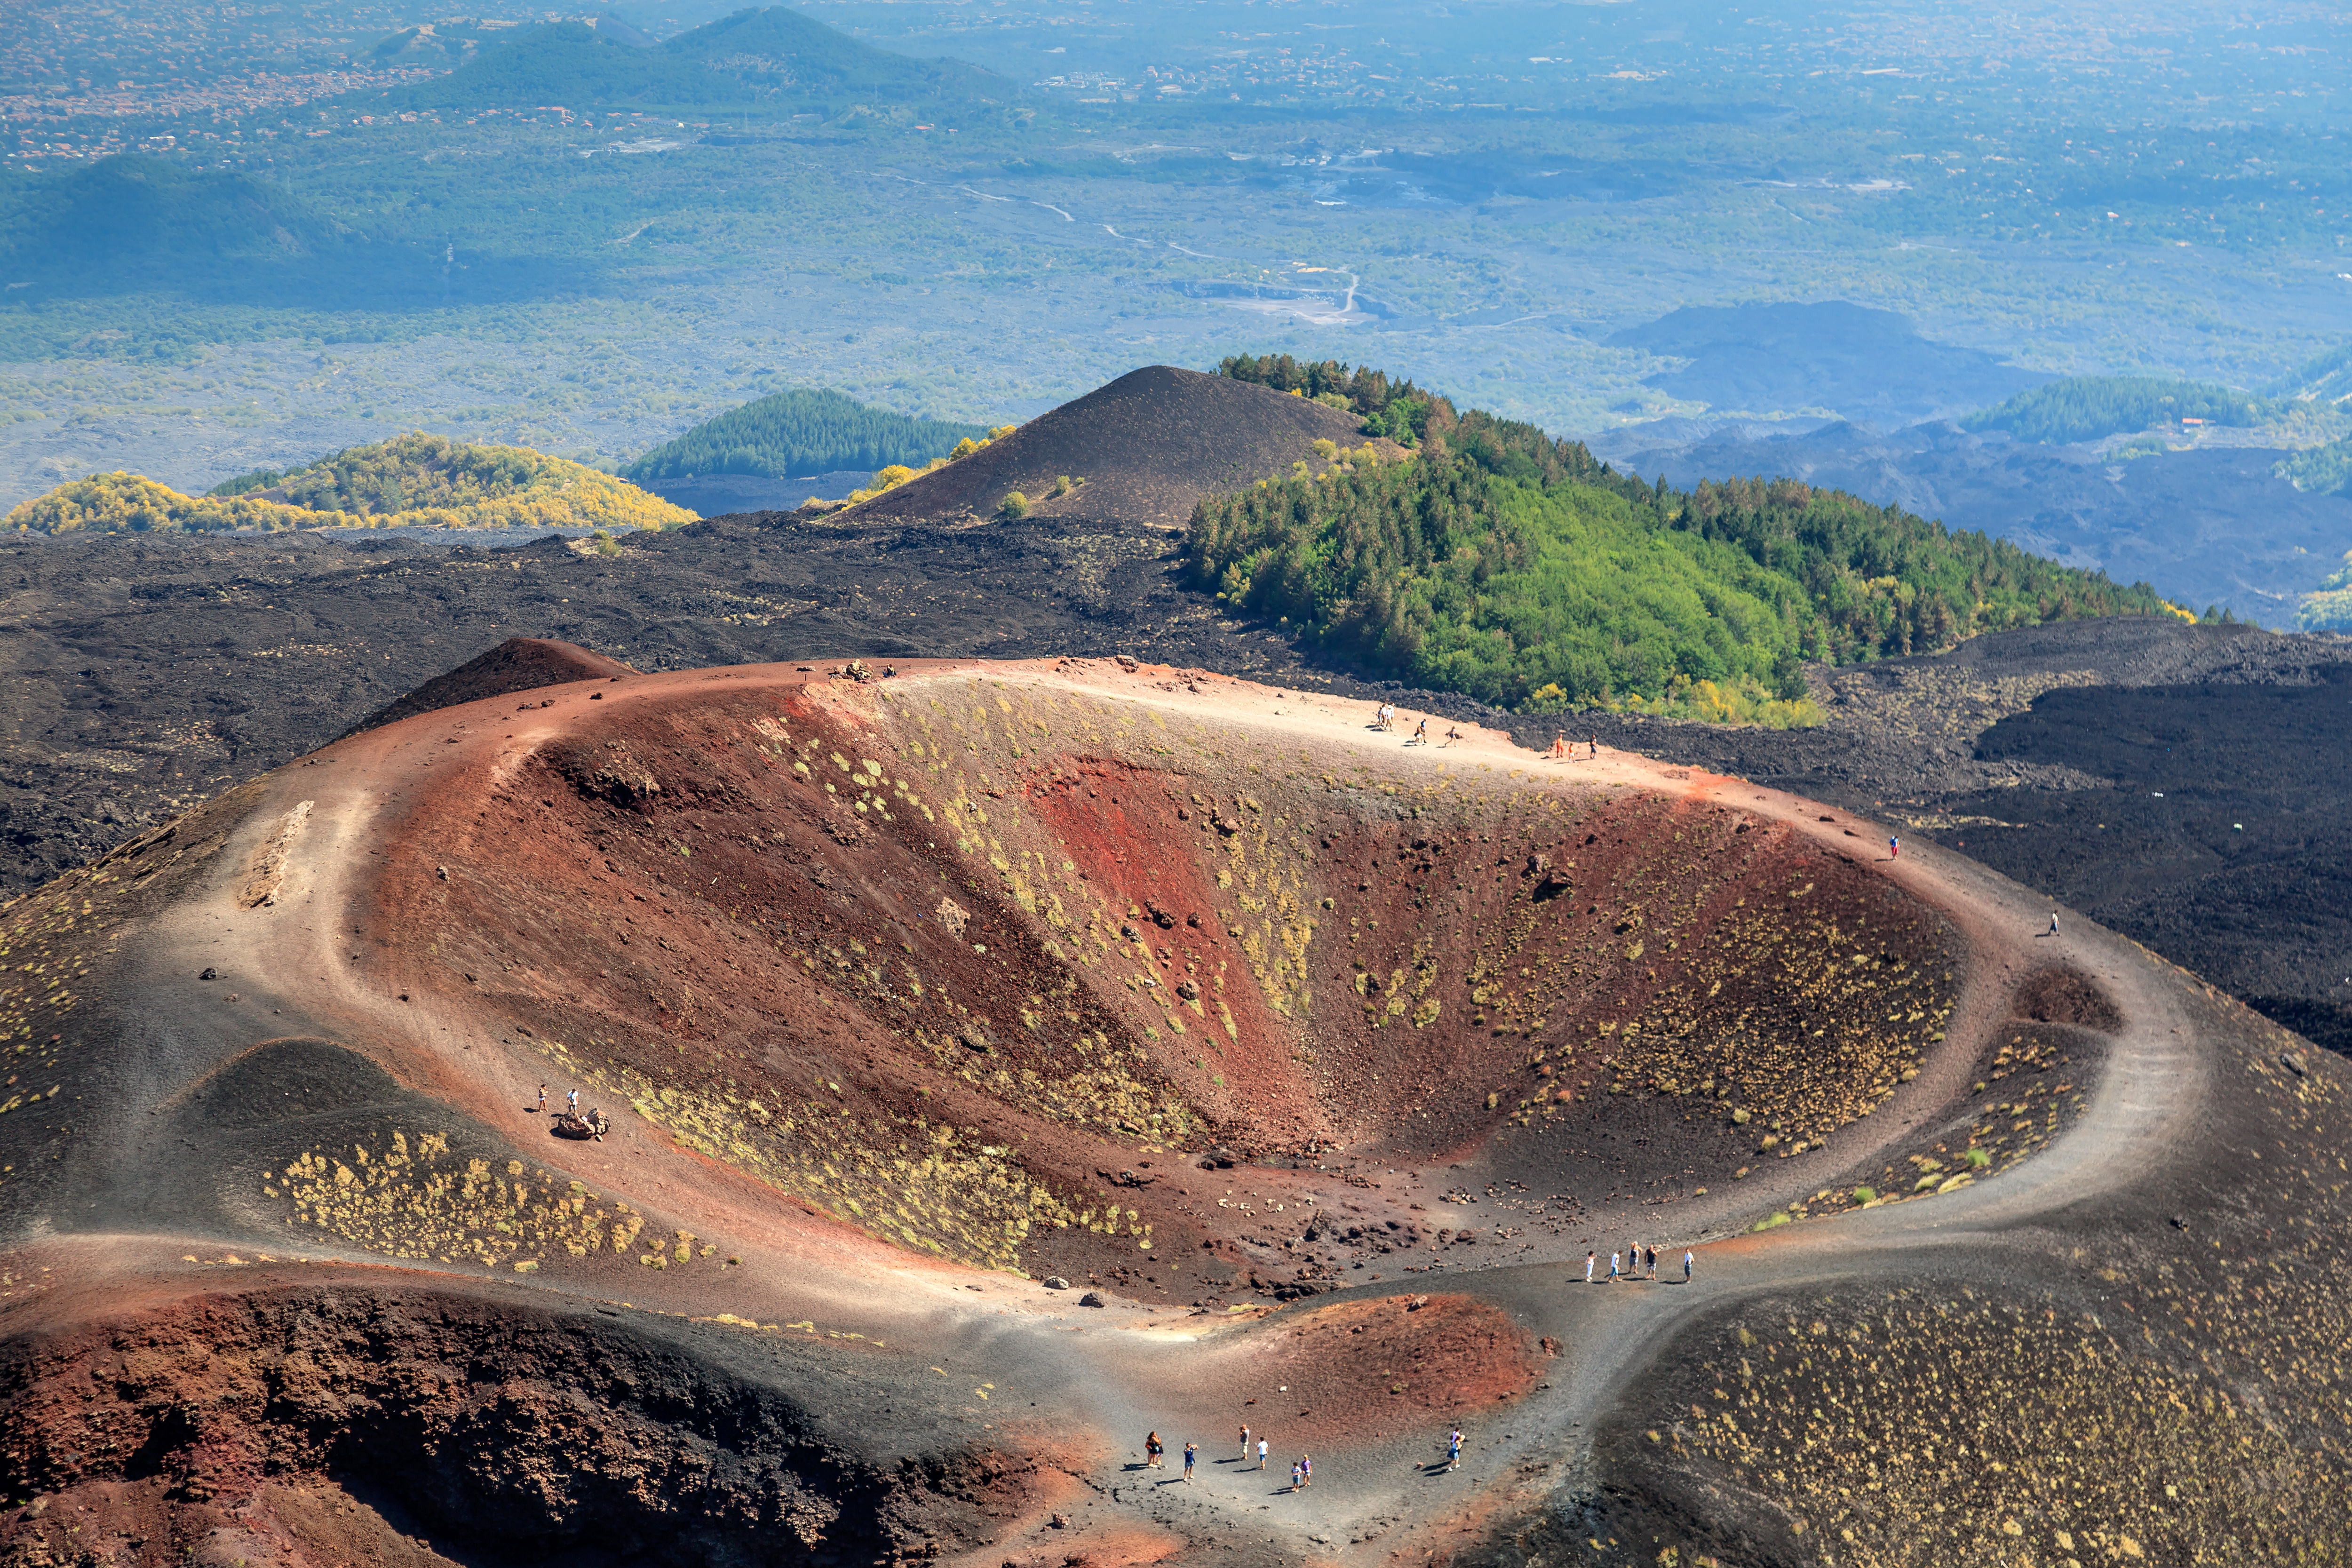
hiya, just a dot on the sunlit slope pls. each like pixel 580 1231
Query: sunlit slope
pixel 928 955
pixel 410 482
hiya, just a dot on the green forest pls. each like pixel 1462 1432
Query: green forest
pixel 803 432
pixel 2329 609
pixel 2087 408
pixel 1502 563
pixel 2321 470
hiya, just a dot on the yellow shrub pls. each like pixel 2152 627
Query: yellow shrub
pixel 545 492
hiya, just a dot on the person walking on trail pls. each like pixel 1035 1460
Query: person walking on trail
pixel 1151 1452
pixel 2053 923
pixel 1650 1262
pixel 1559 748
pixel 1191 1452
pixel 542 1099
pixel 1894 849
pixel 1453 1449
pixel 1596 745
pixel 1306 1469
pixel 1245 1444
pixel 1452 735
pixel 1612 1269
pixel 1261 1456
pixel 572 1101
pixel 1686 1265
pixel 1419 734
pixel 1380 718
pixel 1588 1266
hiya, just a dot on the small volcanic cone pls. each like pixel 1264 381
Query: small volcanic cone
pixel 517 664
pixel 1147 446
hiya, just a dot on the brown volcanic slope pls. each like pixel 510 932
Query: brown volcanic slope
pixel 517 664
pixel 1321 1059
pixel 1148 445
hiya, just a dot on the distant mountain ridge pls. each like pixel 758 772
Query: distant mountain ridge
pixel 134 223
pixel 775 56
pixel 134 220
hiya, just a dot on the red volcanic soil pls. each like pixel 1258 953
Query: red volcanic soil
pixel 342 1419
pixel 970 1040
pixel 982 968
pixel 1362 1370
pixel 1142 446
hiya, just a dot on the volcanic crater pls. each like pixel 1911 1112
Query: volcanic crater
pixel 1002 1061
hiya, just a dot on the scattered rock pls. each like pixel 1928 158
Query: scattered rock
pixel 1092 1298
pixel 209 973
pixel 1056 1282
pixel 266 872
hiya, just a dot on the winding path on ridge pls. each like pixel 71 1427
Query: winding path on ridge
pixel 2150 1088
pixel 1102 1380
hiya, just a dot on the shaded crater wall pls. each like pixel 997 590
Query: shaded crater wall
pixel 524 1432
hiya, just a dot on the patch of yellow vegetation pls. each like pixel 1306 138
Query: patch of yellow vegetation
pixel 416 480
pixel 418 1203
pixel 909 1181
pixel 1815 1022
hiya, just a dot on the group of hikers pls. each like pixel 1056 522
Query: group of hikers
pixel 1638 1262
pixel 1641 1263
pixel 569 1123
pixel 1302 1470
pixel 1384 720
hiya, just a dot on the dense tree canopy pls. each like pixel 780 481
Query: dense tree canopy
pixel 1499 562
pixel 2087 408
pixel 2321 471
pixel 801 431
